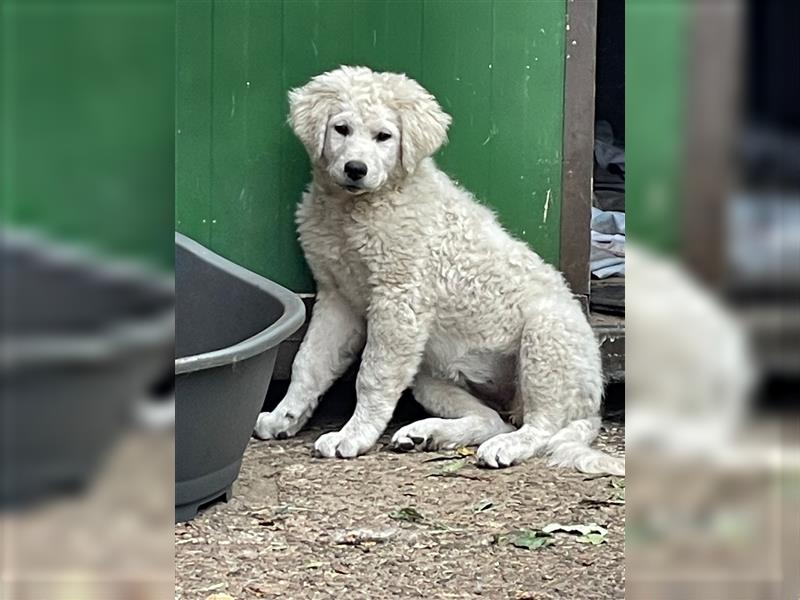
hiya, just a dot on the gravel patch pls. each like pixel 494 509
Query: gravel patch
pixel 390 525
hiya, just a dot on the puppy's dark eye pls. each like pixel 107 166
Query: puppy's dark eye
pixel 383 136
pixel 342 129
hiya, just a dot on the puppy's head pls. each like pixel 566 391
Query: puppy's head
pixel 363 129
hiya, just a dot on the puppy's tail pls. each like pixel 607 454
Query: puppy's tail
pixel 570 448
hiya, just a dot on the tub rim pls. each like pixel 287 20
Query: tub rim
pixel 290 321
pixel 110 344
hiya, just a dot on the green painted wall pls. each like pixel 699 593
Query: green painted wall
pixel 656 42
pixel 86 122
pixel 496 66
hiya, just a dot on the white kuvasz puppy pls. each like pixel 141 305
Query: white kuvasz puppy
pixel 412 270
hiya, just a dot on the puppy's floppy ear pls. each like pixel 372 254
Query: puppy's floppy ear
pixel 423 123
pixel 310 108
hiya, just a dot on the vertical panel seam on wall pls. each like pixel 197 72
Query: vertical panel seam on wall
pixel 422 44
pixel 210 200
pixel 281 132
pixel 353 33
pixel 385 58
pixel 490 180
pixel 249 255
pixel 9 108
pixel 561 199
pixel 174 124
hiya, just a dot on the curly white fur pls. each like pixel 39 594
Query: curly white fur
pixel 411 269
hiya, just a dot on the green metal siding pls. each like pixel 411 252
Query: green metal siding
pixel 656 42
pixel 496 66
pixel 86 122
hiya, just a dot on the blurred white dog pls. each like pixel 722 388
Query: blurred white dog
pixel 414 271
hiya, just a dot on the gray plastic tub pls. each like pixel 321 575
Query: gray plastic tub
pixel 82 340
pixel 229 324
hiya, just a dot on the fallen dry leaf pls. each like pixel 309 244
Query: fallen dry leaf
pixel 483 505
pixel 409 513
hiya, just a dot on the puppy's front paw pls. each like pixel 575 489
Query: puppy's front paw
pixel 502 451
pixel 343 444
pixel 422 435
pixel 277 425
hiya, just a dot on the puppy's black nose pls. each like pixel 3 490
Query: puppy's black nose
pixel 355 169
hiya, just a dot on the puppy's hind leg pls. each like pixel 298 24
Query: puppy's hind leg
pixel 463 420
pixel 559 380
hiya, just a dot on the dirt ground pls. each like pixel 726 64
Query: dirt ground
pixel 390 525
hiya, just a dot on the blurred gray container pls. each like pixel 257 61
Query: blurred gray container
pixel 82 341
pixel 229 324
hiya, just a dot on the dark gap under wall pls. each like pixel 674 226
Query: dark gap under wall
pixel 340 401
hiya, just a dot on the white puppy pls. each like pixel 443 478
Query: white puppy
pixel 411 269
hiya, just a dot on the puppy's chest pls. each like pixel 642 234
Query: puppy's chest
pixel 349 270
pixel 334 246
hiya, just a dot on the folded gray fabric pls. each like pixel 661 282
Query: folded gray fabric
pixel 608 221
pixel 607 252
